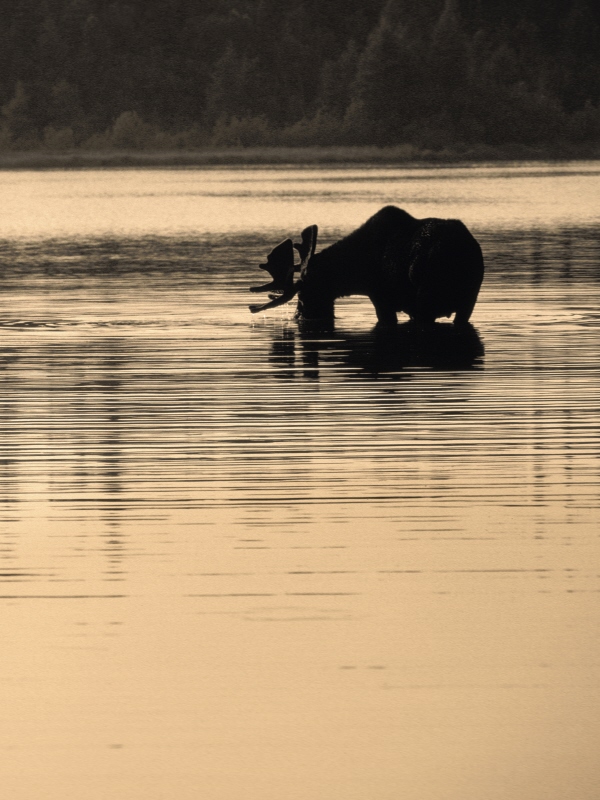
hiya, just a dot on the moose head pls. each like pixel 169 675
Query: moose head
pixel 280 264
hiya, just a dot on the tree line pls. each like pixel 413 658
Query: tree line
pixel 157 74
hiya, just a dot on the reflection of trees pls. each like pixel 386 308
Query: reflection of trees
pixel 110 456
pixel 9 433
pixel 60 428
pixel 541 256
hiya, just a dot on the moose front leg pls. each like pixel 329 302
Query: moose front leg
pixel 314 305
pixel 385 309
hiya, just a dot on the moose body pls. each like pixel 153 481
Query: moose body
pixel 426 268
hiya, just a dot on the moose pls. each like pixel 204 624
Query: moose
pixel 426 268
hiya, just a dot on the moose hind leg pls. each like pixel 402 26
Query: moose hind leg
pixel 464 309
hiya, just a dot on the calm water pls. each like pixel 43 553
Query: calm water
pixel 244 562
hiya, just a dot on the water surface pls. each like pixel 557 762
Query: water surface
pixel 243 560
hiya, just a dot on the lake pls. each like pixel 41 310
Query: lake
pixel 245 561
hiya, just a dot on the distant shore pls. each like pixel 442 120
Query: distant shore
pixel 401 155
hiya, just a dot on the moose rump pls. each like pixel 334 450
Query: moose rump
pixel 426 268
pixel 441 275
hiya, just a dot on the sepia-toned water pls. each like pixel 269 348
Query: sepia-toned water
pixel 245 561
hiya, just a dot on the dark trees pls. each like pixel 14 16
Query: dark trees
pixel 428 72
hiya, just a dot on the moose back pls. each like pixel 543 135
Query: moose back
pixel 426 268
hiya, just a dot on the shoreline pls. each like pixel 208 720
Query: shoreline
pixel 399 156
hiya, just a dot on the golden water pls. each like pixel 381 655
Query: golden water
pixel 244 562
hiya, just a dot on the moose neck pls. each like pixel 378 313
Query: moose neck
pixel 347 266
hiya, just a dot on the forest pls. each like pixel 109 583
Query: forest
pixel 185 74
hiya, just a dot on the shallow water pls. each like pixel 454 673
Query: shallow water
pixel 242 560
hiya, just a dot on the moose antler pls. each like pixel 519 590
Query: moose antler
pixel 307 246
pixel 280 263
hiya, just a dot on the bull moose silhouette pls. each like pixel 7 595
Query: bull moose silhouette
pixel 426 268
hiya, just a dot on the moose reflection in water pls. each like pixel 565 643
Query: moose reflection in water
pixel 384 352
pixel 426 268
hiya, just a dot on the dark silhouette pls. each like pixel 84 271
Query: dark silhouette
pixel 426 268
pixel 383 353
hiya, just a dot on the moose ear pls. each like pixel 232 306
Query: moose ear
pixel 307 246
